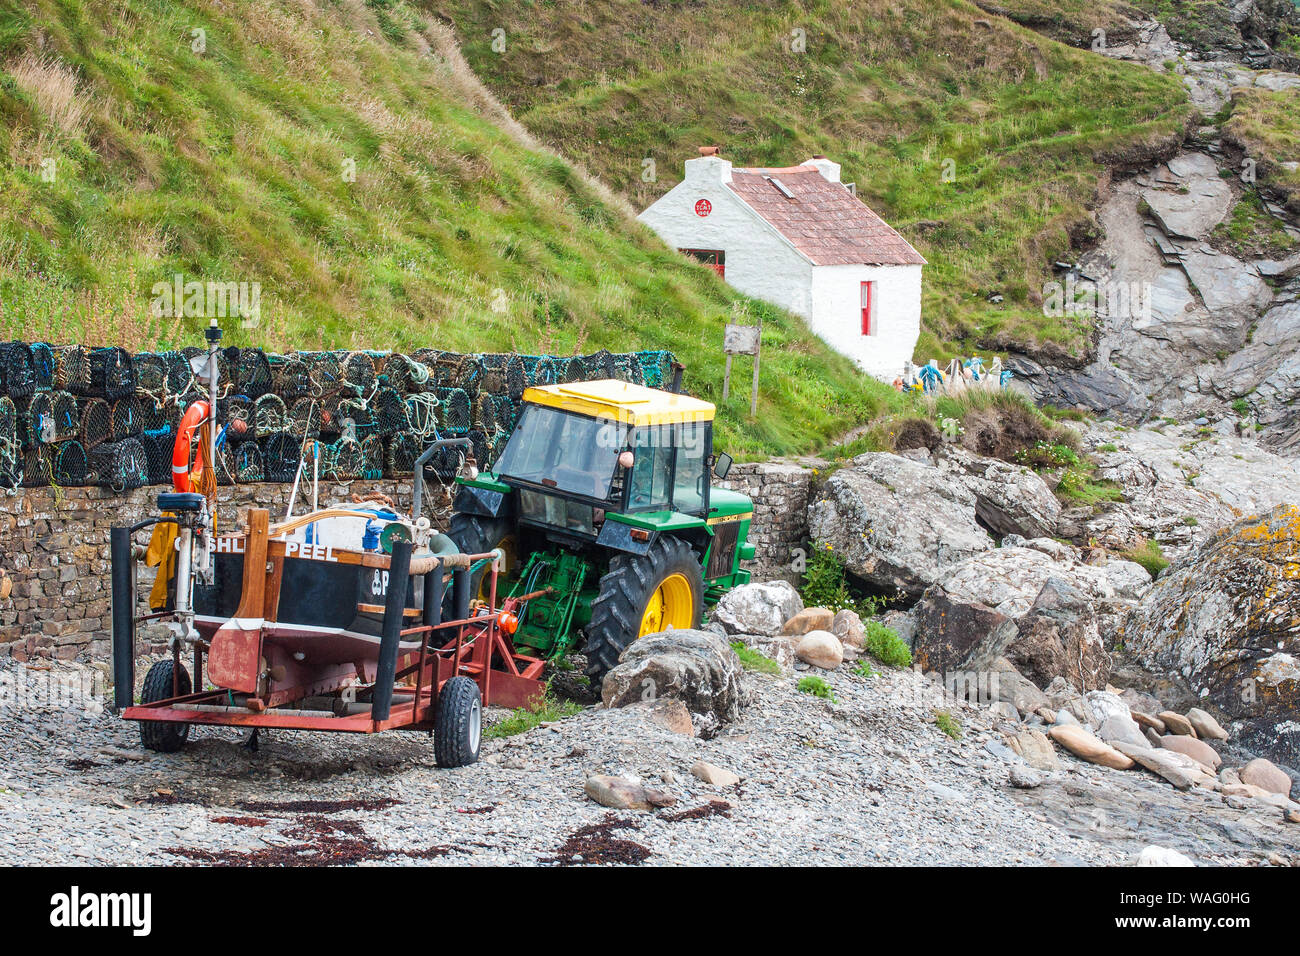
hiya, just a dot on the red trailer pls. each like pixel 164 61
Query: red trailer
pixel 279 660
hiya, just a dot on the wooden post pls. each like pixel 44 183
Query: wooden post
pixel 726 379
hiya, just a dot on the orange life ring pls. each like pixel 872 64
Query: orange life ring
pixel 182 478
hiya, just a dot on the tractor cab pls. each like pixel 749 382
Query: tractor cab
pixel 597 477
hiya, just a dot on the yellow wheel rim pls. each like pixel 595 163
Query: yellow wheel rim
pixel 670 606
pixel 510 547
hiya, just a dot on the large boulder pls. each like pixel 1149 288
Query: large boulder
pixel 958 635
pixel 1227 618
pixel 757 608
pixel 1009 499
pixel 699 668
pixel 899 524
pixel 1059 637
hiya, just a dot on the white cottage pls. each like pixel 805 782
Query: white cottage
pixel 799 238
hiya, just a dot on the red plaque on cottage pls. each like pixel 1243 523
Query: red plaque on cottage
pixel 703 207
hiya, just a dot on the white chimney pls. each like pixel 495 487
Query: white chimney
pixel 830 171
pixel 712 169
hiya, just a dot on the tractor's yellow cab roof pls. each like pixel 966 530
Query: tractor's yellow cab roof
pixel 622 401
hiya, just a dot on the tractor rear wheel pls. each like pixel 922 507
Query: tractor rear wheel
pixel 458 723
pixel 642 594
pixel 474 534
pixel 155 734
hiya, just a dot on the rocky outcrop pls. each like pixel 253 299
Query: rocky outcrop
pixel 1227 618
pixel 1009 499
pixel 699 668
pixel 899 524
pixel 1058 637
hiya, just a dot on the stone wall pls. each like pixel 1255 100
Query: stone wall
pixel 54 544
pixel 780 491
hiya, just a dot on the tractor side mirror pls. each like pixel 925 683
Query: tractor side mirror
pixel 722 464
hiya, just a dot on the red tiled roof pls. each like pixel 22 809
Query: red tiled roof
pixel 824 221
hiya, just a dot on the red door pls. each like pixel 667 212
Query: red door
pixel 868 289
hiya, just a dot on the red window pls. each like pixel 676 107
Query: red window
pixel 715 259
pixel 868 294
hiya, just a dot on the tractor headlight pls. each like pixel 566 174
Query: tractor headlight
pixel 557 512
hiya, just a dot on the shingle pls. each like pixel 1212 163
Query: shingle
pixel 824 221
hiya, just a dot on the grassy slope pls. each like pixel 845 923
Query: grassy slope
pixel 890 89
pixel 228 166
pixel 1266 124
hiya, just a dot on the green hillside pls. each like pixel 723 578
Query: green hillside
pixel 134 148
pixel 899 91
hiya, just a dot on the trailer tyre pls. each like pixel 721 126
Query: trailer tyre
pixel 157 735
pixel 458 723
pixel 642 594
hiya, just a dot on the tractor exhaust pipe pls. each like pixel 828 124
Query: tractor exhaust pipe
pixel 678 369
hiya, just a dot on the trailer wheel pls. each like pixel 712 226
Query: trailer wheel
pixel 458 723
pixel 643 594
pixel 154 734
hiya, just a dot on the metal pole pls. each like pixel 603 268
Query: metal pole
pixel 399 571
pixel 418 493
pixel 123 595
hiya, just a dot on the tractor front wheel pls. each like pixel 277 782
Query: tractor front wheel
pixel 643 594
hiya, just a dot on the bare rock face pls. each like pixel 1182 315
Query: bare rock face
pixel 899 524
pixel 1059 637
pixel 1227 618
pixel 699 668
pixel 757 608
pixel 1009 499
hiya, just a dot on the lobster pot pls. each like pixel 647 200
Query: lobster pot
pixel 598 365
pixel 248 462
pixel 125 419
pixel 151 372
pixel 400 455
pixel 372 449
pixel 479 442
pixel 17 377
pixel 456 417
pixel 43 364
pixel 358 373
pixel 389 411
pixel 656 368
pixel 344 460
pixel 227 464
pixel 96 422
pixel 575 370
pixel 303 419
pixel 507 412
pixel 485 414
pixel 71 463
pixel 252 373
pixel 157 447
pixel 445 463
pixel 422 414
pixel 152 416
pixel 280 456
pixel 11 462
pixel 355 416
pixel 35 419
pixel 324 372
pixel 456 370
pixel 72 369
pixel 405 374
pixel 237 408
pixel 627 368
pixel 112 373
pixel 38 466
pixel 290 376
pixel 269 416
pixel 67 415
pixel 192 352
pixel 120 465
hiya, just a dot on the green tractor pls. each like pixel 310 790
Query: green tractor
pixel 602 501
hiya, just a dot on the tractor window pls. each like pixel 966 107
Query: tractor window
pixel 561 450
pixel 652 470
pixel 692 472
